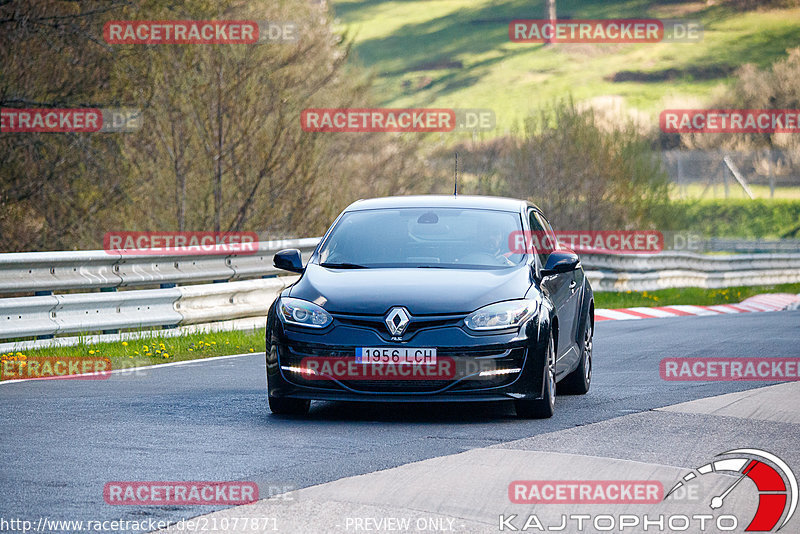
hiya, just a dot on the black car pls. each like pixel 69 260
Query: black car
pixel 422 299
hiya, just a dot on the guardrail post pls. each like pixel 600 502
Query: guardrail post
pixel 109 290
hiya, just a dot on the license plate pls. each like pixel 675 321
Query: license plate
pixel 398 355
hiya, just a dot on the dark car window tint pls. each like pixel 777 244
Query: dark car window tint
pixel 423 237
pixel 538 232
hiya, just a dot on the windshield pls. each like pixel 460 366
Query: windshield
pixel 422 237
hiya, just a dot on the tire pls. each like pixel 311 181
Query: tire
pixel 545 407
pixel 280 406
pixel 579 380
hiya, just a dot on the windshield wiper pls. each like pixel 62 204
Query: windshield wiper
pixel 343 265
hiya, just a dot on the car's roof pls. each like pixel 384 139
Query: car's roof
pixel 440 201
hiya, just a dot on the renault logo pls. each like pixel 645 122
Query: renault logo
pixel 397 321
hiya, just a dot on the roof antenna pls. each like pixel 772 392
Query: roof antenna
pixel 455 187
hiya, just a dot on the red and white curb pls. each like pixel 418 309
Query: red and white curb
pixel 759 303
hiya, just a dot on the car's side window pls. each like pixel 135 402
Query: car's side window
pixel 538 231
pixel 551 235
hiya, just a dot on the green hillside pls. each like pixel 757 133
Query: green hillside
pixel 456 53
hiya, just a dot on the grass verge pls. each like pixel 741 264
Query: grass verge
pixel 155 349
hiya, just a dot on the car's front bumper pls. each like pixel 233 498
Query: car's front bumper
pixel 289 348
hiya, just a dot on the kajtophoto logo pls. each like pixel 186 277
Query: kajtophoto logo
pixel 774 480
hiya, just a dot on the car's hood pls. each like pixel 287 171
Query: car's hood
pixel 421 291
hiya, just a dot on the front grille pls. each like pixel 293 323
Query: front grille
pixel 416 323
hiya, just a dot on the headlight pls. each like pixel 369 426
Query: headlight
pixel 509 314
pixel 303 313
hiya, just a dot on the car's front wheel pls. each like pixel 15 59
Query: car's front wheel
pixel 545 407
pixel 280 406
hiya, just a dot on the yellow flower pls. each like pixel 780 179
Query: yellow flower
pixel 145 348
pixel 91 352
pixel 251 350
pixel 124 343
pixel 23 357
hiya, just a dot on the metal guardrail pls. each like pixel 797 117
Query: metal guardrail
pixel 633 272
pixel 640 281
pixel 689 261
pixel 252 285
pixel 750 246
pixel 50 315
pixel 97 269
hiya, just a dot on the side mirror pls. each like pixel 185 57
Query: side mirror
pixel 289 260
pixel 560 261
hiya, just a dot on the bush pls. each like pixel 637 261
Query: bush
pixel 583 174
pixel 760 218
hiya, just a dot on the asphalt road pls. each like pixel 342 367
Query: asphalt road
pixel 208 420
